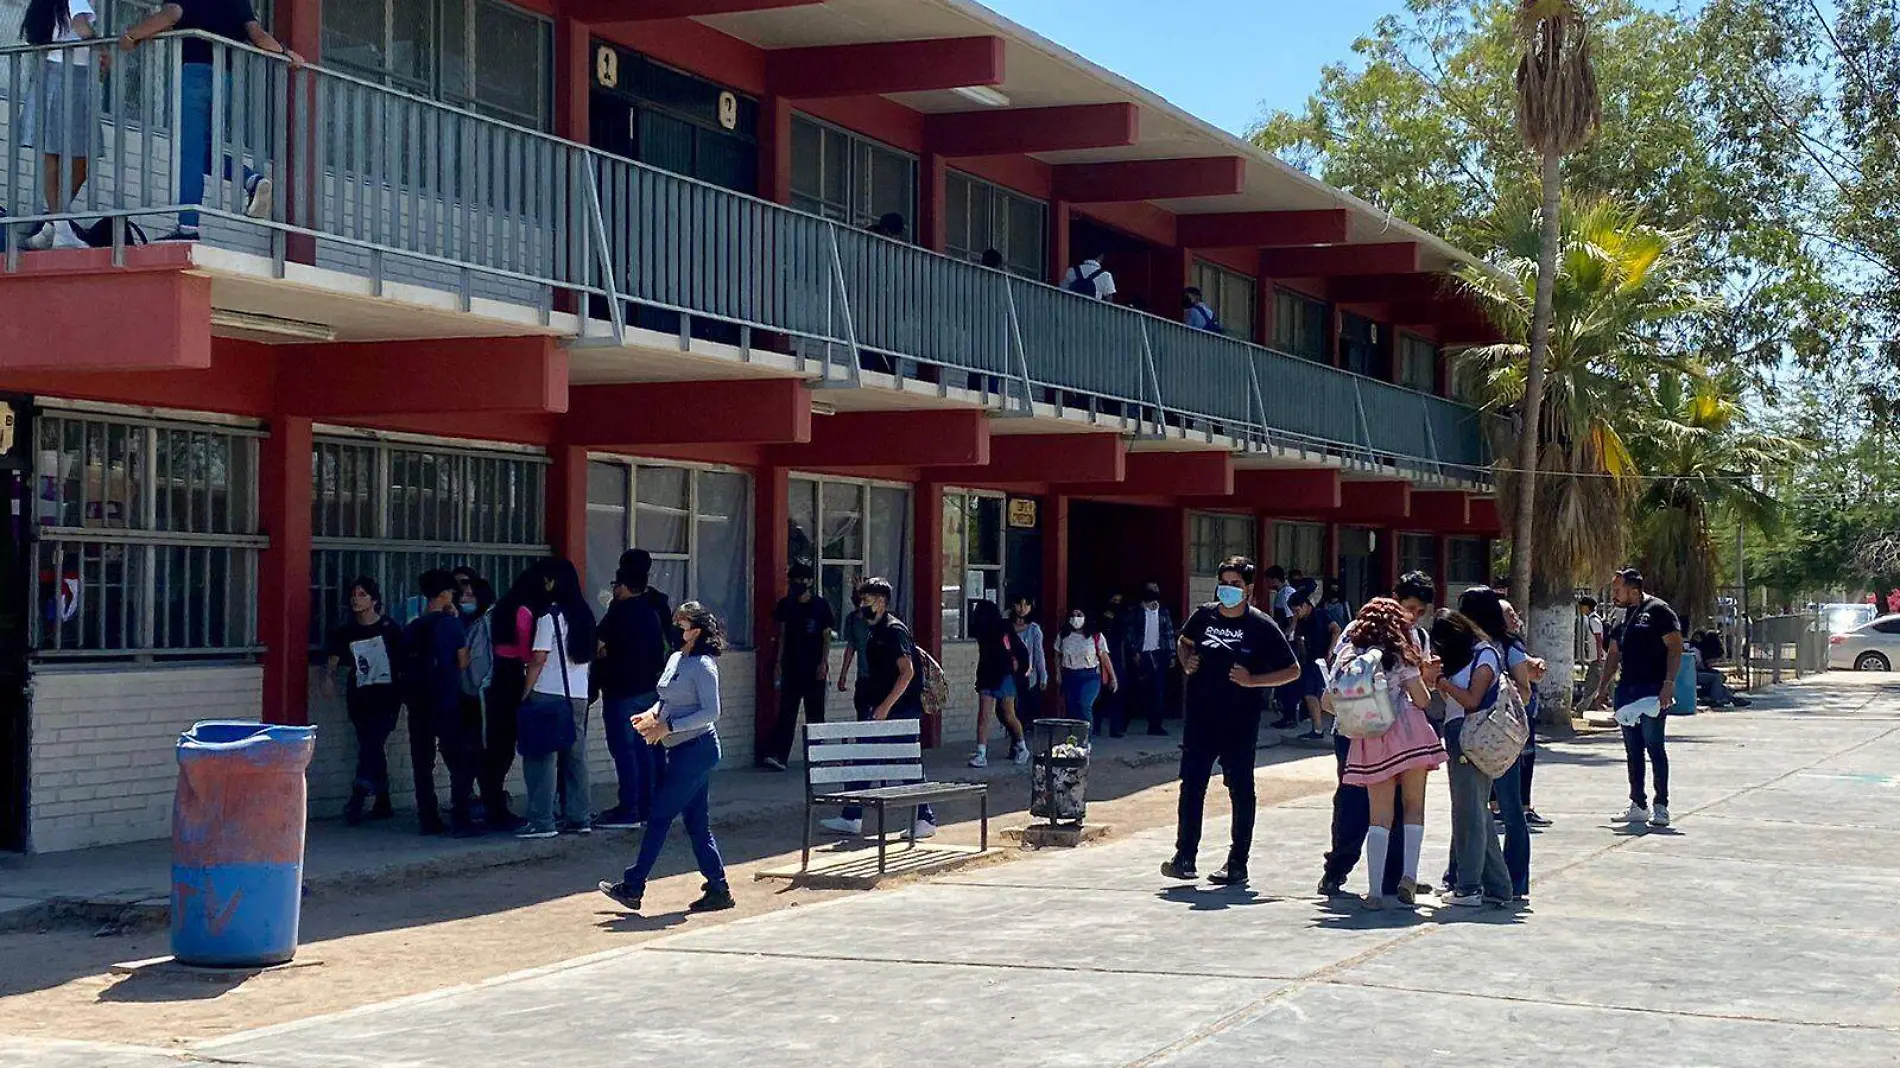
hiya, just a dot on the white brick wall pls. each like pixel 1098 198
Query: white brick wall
pixel 959 714
pixel 102 747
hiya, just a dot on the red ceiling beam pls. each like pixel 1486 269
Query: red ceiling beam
pixel 886 67
pixel 1289 492
pixel 1261 228
pixel 608 12
pixel 466 375
pixel 1441 511
pixel 1023 130
pixel 1383 288
pixel 1165 474
pixel 1455 334
pixel 1149 179
pixel 938 438
pixel 1059 458
pixel 1333 261
pixel 1374 501
pixel 1484 517
pixel 54 316
pixel 1414 313
pixel 762 411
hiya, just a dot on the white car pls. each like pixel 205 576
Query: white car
pixel 1871 646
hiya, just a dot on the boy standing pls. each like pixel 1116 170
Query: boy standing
pixel 435 651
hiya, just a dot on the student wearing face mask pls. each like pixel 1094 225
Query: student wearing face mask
pixel 1233 654
pixel 477 597
pixel 805 627
pixel 1148 638
pixel 1083 667
pixel 892 687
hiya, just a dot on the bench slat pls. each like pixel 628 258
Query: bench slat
pixel 866 773
pixel 918 793
pixel 870 728
pixel 832 754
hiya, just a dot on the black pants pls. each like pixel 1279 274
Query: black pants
pixel 1147 689
pixel 1352 818
pixel 1233 747
pixel 497 745
pixel 373 712
pixel 438 728
pixel 792 693
pixel 1526 764
pixel 1646 738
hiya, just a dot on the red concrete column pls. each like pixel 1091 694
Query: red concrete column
pixel 567 503
pixel 1263 319
pixel 283 594
pixel 300 29
pixel 1333 329
pixel 1388 559
pixel 775 148
pixel 1055 562
pixel 932 225
pixel 926 612
pixel 1171 559
pixel 1058 240
pixel 573 78
pixel 771 556
pixel 1439 574
pixel 1263 535
pixel 1329 550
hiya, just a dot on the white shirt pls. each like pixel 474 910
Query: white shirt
pixel 1104 281
pixel 1487 655
pixel 1079 651
pixel 76 9
pixel 1151 630
pixel 1594 623
pixel 549 681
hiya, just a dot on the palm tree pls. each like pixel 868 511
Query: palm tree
pixel 1557 111
pixel 1702 450
pixel 1616 284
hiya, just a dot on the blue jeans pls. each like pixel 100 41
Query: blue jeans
pixel 194 137
pixel 635 762
pixel 865 706
pixel 1478 862
pixel 1080 688
pixel 685 793
pixel 1509 790
pixel 542 773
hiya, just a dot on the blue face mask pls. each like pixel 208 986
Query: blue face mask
pixel 467 608
pixel 1231 596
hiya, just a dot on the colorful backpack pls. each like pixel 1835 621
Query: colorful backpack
pixel 1359 693
pixel 1493 737
pixel 936 688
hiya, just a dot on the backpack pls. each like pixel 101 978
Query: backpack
pixel 98 234
pixel 1212 325
pixel 936 688
pixel 1359 693
pixel 1493 737
pixel 1084 282
pixel 481 660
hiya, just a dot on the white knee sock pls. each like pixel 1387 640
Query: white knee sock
pixel 1378 840
pixel 1414 844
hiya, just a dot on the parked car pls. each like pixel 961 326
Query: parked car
pixel 1841 618
pixel 1871 646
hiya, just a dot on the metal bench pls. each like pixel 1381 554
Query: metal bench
pixel 877 764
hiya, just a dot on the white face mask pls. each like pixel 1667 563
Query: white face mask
pixel 1077 620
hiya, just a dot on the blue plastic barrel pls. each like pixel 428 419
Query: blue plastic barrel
pixel 237 843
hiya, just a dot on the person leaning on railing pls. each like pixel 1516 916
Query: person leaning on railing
pixel 233 20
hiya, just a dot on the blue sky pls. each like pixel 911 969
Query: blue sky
pixel 1223 60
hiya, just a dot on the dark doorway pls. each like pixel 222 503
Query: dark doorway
pixel 1358 565
pixel 1129 259
pixel 1022 553
pixel 16 480
pixel 1359 349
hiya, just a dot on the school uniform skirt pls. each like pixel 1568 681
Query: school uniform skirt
pixel 61 111
pixel 1410 743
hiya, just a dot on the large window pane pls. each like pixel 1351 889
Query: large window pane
pixel 986 530
pixel 722 551
pixel 802 532
pixel 844 521
pixel 890 539
pixel 511 64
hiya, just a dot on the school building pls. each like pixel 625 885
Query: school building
pixel 576 275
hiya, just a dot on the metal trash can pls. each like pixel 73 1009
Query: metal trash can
pixel 237 843
pixel 1059 770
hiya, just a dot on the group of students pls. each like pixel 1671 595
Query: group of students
pixel 484 679
pixel 1441 667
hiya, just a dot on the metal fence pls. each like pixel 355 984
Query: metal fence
pixel 405 190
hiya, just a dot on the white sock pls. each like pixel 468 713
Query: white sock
pixel 1414 844
pixel 1378 840
pixel 982 749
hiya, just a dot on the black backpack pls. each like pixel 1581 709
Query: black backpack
pixel 98 233
pixel 1084 281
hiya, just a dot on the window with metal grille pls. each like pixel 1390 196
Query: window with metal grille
pixel 1418 363
pixel 856 181
pixel 1467 563
pixel 1418 552
pixel 146 537
pixel 1301 545
pixel 1213 537
pixel 492 58
pixel 849 530
pixel 1230 294
pixel 697 523
pixel 1299 325
pixel 390 511
pixel 972 556
pixel 979 216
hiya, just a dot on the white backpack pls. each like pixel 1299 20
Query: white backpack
pixel 1359 693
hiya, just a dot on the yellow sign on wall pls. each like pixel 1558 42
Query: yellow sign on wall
pixel 1022 513
pixel 606 67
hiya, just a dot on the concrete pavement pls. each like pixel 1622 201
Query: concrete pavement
pixel 1758 931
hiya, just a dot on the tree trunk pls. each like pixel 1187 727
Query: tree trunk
pixel 1552 634
pixel 1522 531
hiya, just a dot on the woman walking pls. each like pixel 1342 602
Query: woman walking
pixel 1469 681
pixel 685 725
pixel 1397 763
pixel 1083 667
pixel 552 722
pixel 1032 675
pixel 62 110
pixel 998 648
pixel 1488 612
pixel 368 644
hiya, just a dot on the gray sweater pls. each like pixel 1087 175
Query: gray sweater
pixel 689 698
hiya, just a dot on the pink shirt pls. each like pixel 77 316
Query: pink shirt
pixel 520 648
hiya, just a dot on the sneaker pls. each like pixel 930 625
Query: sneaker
pixel 840 825
pixel 1231 875
pixel 257 199
pixel 506 823
pixel 1531 817
pixel 1634 814
pixel 183 233
pixel 1742 702
pixel 1372 904
pixel 577 828
pixel 618 819
pixel 621 893
pixel 1311 735
pixel 1175 869
pixel 1465 901
pixel 714 901
pixel 66 235
pixel 980 760
pixel 41 239
pixel 531 832
pixel 1660 817
pixel 1020 753
pixel 353 809
pixel 772 764
pixel 923 829
pixel 1331 887
pixel 1408 892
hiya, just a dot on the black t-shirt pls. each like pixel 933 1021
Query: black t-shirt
pixel 996 655
pixel 356 645
pixel 634 630
pixel 1251 640
pixel 224 18
pixel 805 624
pixel 1315 635
pixel 1640 638
pixel 890 644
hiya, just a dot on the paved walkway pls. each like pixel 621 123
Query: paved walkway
pixel 1758 931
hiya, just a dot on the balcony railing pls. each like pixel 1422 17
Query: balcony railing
pixel 396 188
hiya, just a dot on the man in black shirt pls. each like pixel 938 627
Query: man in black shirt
pixel 892 686
pixel 634 645
pixel 1233 654
pixel 805 625
pixel 1647 646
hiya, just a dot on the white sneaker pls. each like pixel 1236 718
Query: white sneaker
pixel 257 202
pixel 64 236
pixel 1660 818
pixel 41 239
pixel 840 825
pixel 1020 753
pixel 980 760
pixel 1635 814
pixel 923 829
